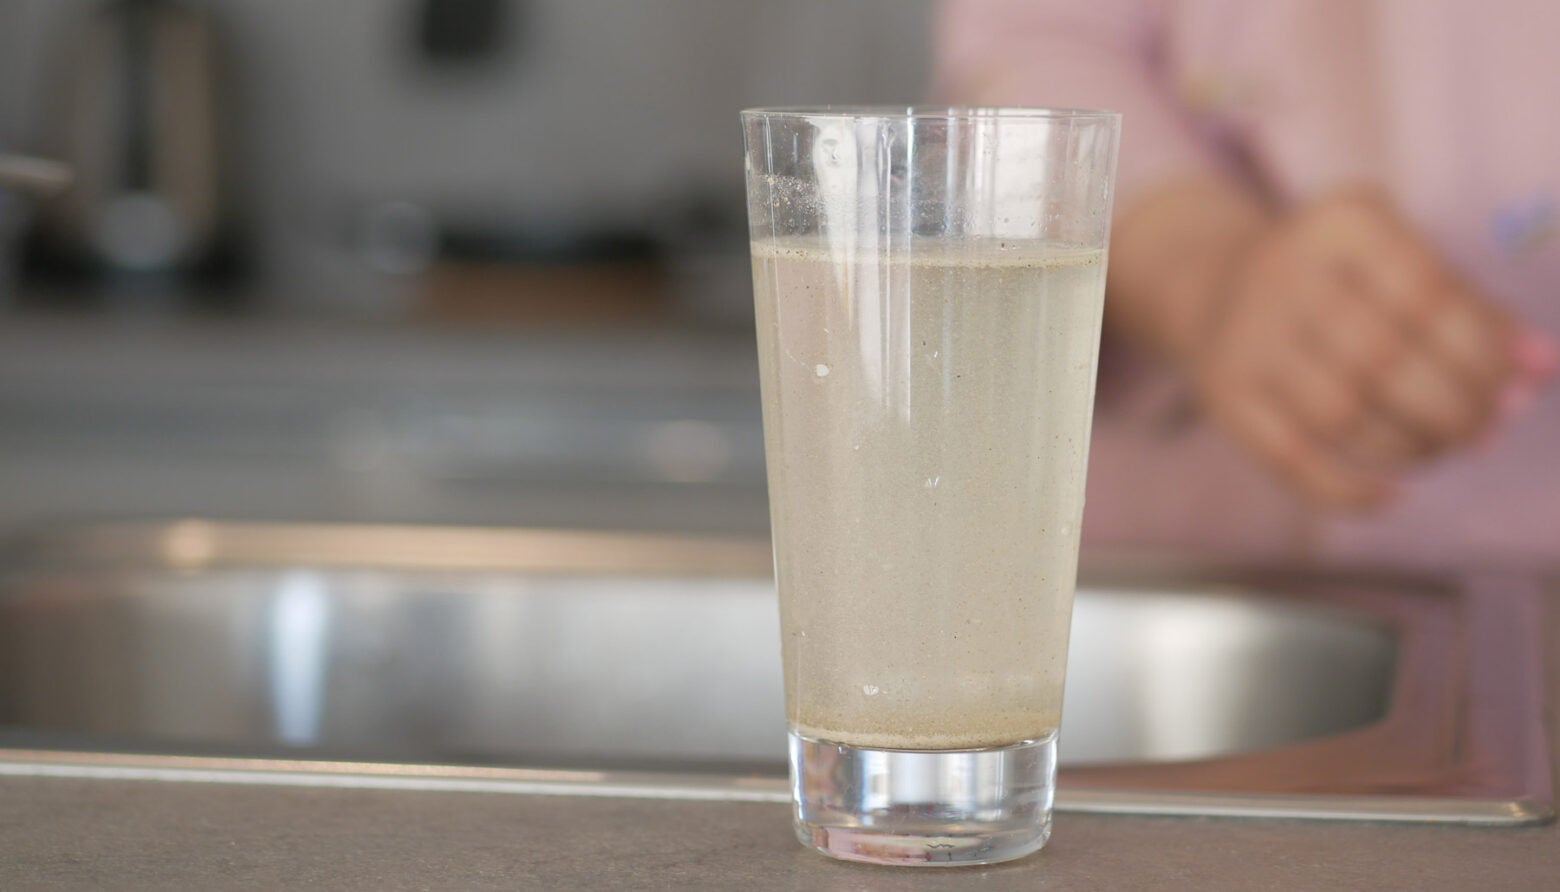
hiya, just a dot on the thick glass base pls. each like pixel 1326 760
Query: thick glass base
pixel 923 808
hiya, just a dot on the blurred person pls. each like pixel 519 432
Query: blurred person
pixel 1337 223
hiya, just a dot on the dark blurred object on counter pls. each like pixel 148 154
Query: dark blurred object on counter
pixel 546 274
pixel 462 32
pixel 515 294
pixel 140 111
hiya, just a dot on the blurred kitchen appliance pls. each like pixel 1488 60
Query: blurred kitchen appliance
pixel 138 113
pixel 463 31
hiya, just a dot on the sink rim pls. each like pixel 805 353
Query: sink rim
pixel 718 787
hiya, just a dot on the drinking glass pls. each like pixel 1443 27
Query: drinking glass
pixel 928 286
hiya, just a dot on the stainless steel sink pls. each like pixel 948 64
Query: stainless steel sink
pixel 596 663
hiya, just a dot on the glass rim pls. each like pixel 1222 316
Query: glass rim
pixel 932 112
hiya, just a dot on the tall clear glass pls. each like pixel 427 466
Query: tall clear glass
pixel 928 285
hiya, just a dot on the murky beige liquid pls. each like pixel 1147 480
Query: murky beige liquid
pixel 926 418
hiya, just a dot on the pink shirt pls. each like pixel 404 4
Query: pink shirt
pixel 1450 105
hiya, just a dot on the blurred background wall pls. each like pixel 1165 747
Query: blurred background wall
pixel 494 255
pixel 582 113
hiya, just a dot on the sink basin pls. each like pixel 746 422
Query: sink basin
pixel 649 665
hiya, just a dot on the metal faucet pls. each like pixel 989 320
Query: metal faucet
pixel 35 176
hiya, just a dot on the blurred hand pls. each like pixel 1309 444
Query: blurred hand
pixel 1342 351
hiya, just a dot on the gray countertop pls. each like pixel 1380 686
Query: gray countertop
pixel 109 834
pixel 272 419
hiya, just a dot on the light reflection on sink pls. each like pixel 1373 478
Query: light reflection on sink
pixel 589 650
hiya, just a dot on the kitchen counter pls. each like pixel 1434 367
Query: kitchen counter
pixel 107 834
pixel 275 418
pixel 135 834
